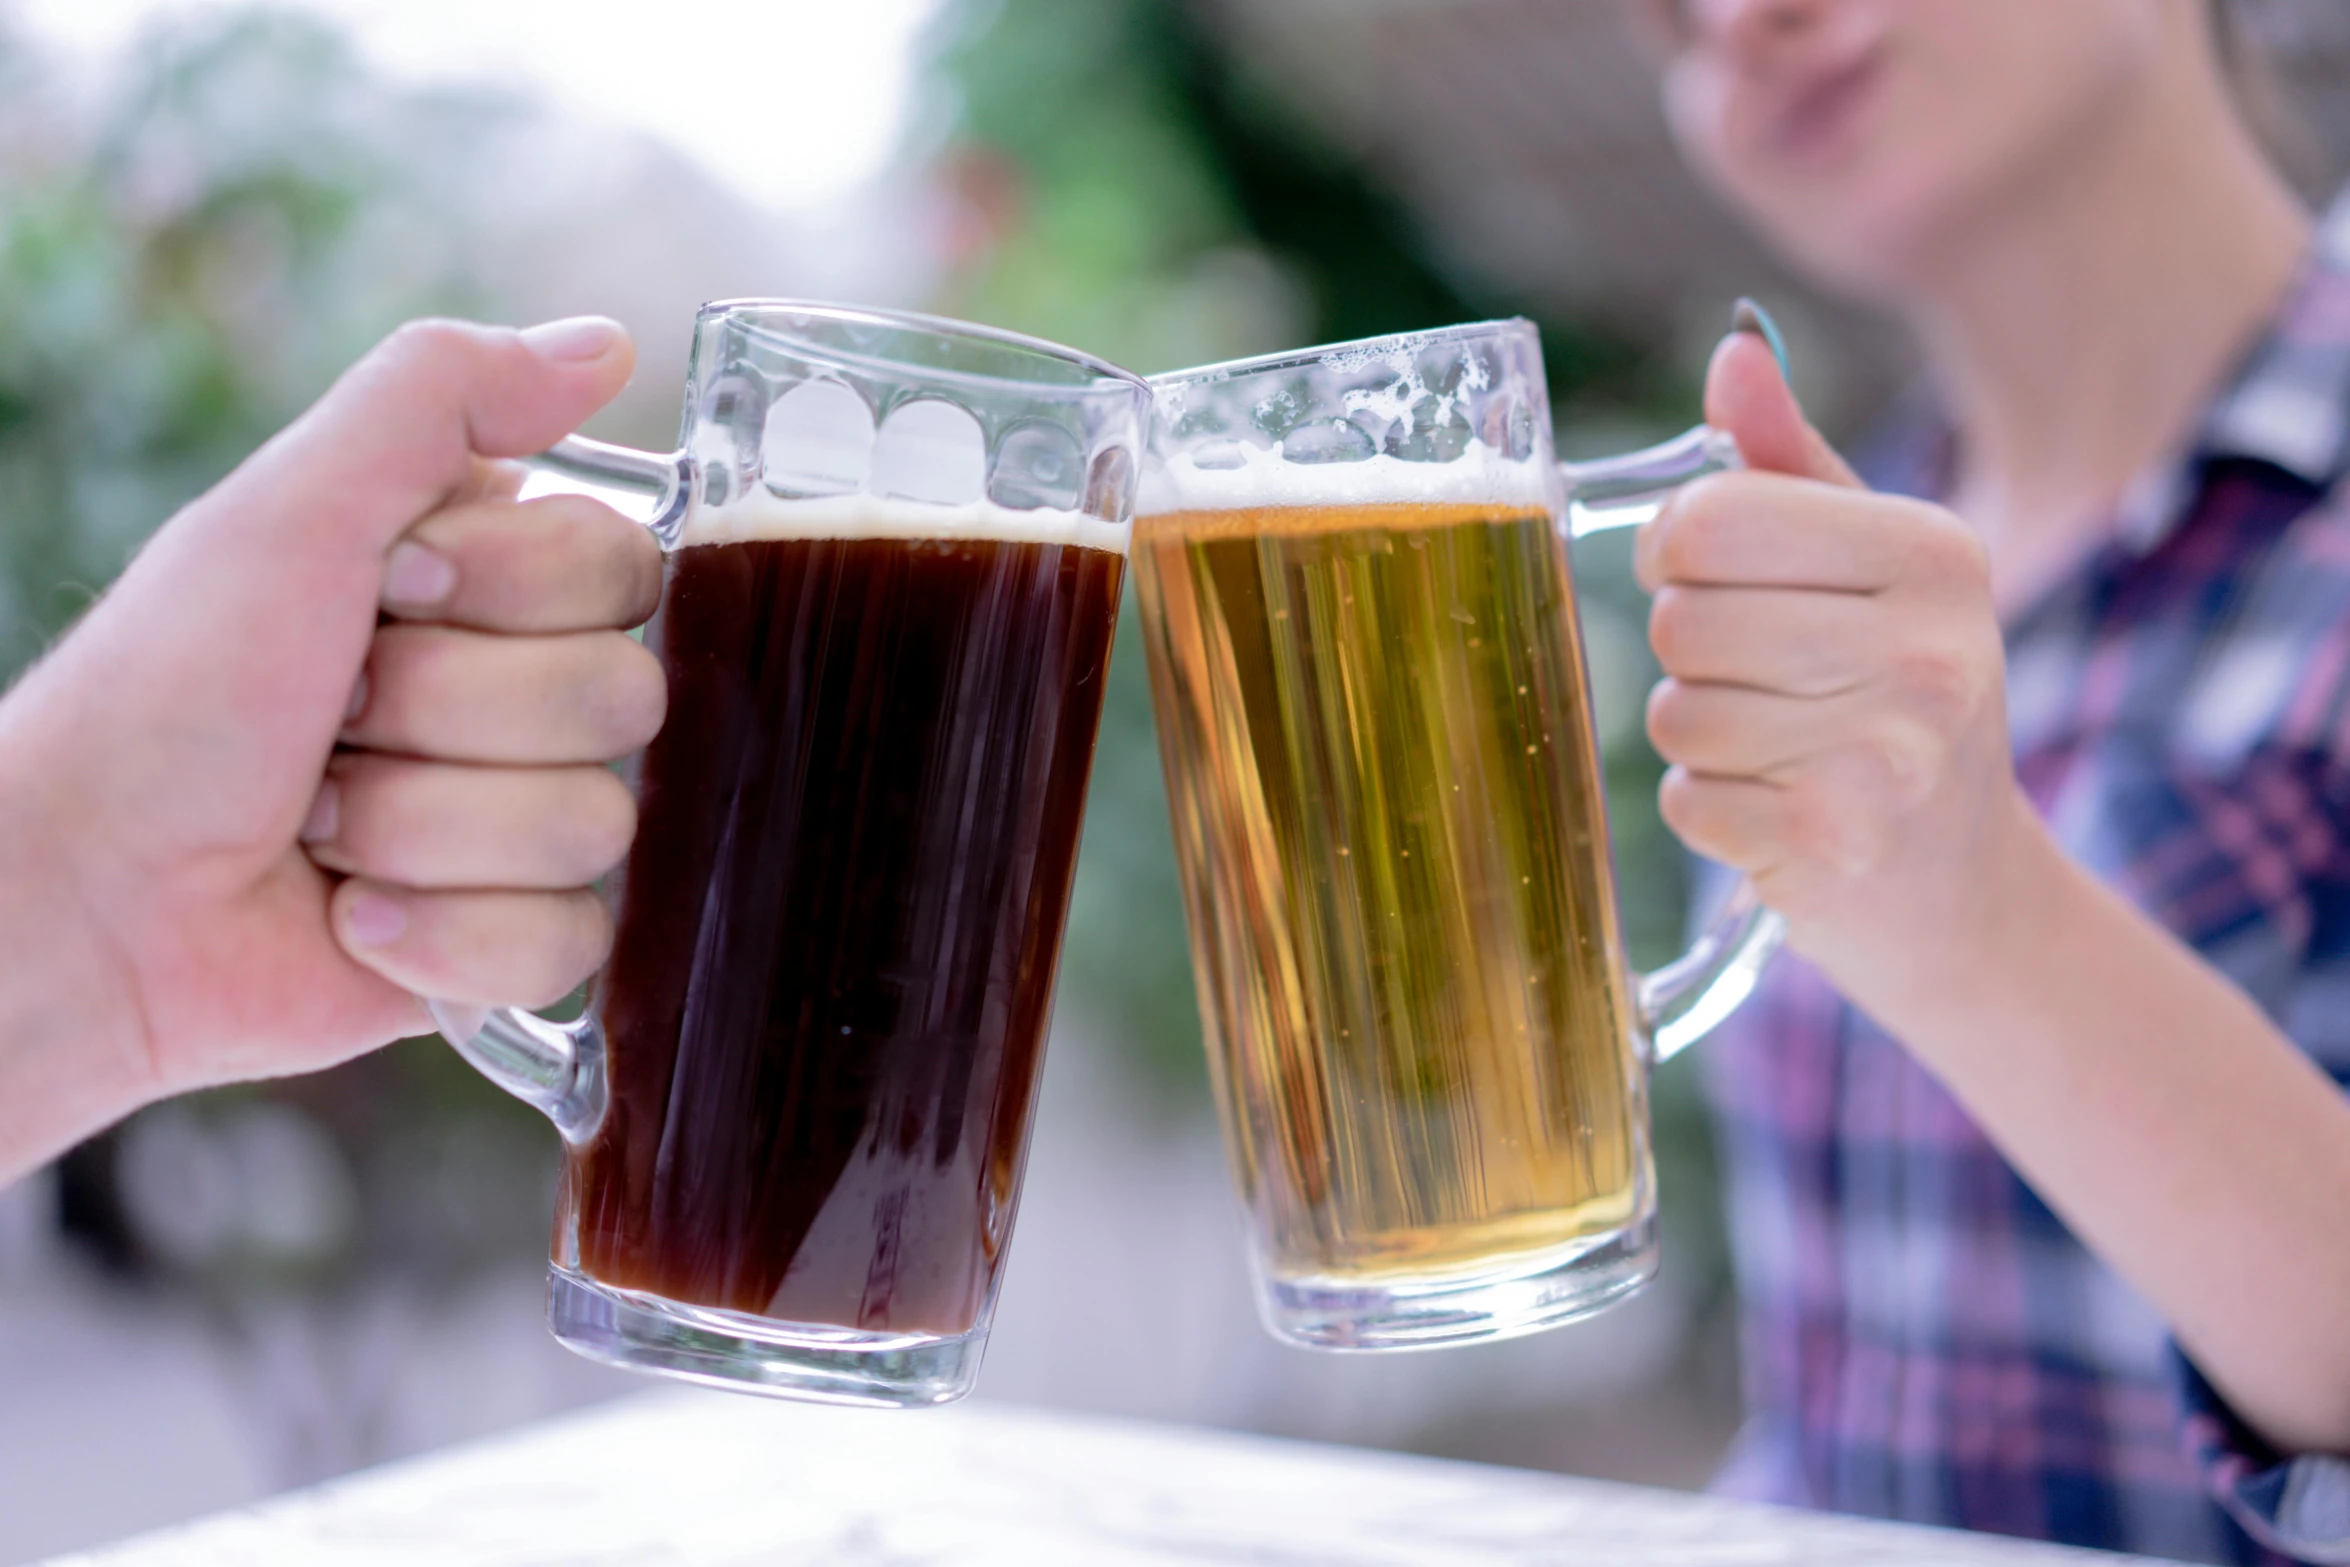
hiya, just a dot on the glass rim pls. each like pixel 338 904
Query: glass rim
pixel 944 326
pixel 1365 347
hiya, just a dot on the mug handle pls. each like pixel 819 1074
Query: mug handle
pixel 1680 1003
pixel 558 1068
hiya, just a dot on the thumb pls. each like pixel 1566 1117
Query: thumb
pixel 247 617
pixel 401 430
pixel 1747 397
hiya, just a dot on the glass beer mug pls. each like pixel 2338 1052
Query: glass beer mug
pixel 796 1110
pixel 1429 1054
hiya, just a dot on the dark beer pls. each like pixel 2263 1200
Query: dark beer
pixel 827 1001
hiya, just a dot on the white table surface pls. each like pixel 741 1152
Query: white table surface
pixel 720 1480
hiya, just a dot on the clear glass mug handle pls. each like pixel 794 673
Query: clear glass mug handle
pixel 559 1067
pixel 1681 1002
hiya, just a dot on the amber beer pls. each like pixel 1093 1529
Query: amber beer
pixel 1390 828
pixel 827 999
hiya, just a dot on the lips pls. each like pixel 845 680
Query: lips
pixel 1824 105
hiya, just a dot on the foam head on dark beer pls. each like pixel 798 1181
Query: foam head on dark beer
pixel 763 515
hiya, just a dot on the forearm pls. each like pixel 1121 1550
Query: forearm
pixel 2188 1142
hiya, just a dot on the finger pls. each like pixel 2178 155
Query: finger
pixel 268 585
pixel 400 431
pixel 559 563
pixel 470 696
pixel 1854 743
pixel 520 949
pixel 1792 641
pixel 490 480
pixel 1769 529
pixel 1737 732
pixel 1747 395
pixel 1739 822
pixel 432 825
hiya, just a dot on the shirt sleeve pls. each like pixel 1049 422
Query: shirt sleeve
pixel 2297 1506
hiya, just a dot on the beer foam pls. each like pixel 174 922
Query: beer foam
pixel 760 514
pixel 1260 478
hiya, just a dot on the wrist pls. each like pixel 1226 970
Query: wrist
pixel 72 1059
pixel 2016 885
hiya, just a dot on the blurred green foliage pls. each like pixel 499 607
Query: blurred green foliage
pixel 184 263
pixel 191 247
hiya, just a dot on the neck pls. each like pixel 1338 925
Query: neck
pixel 2081 335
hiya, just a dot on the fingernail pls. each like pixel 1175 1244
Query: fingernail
pixel 1749 316
pixel 326 814
pixel 358 702
pixel 416 577
pixel 373 920
pixel 573 340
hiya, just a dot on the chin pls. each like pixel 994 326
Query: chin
pixel 1868 270
pixel 1876 247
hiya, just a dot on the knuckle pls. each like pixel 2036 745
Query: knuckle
pixel 431 345
pixel 409 668
pixel 605 565
pixel 554 941
pixel 1693 528
pixel 586 940
pixel 1943 550
pixel 1907 756
pixel 573 522
pixel 630 693
pixel 1691 807
pixel 625 561
pixel 1938 685
pixel 1670 721
pixel 1963 555
pixel 1817 824
pixel 642 563
pixel 601 823
pixel 1726 821
pixel 1704 525
pixel 1830 825
pixel 1669 627
pixel 1677 801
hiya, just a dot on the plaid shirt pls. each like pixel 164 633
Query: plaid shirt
pixel 1923 1339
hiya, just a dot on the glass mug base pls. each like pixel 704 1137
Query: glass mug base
pixel 746 1354
pixel 1556 1287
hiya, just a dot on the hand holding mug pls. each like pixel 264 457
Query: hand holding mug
pixel 1834 700
pixel 161 771
pixel 472 808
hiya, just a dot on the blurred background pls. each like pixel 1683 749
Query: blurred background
pixel 206 211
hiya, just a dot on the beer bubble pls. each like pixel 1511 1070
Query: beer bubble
pixel 1328 441
pixel 1434 441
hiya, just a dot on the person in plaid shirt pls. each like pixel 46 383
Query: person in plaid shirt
pixel 2036 1147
